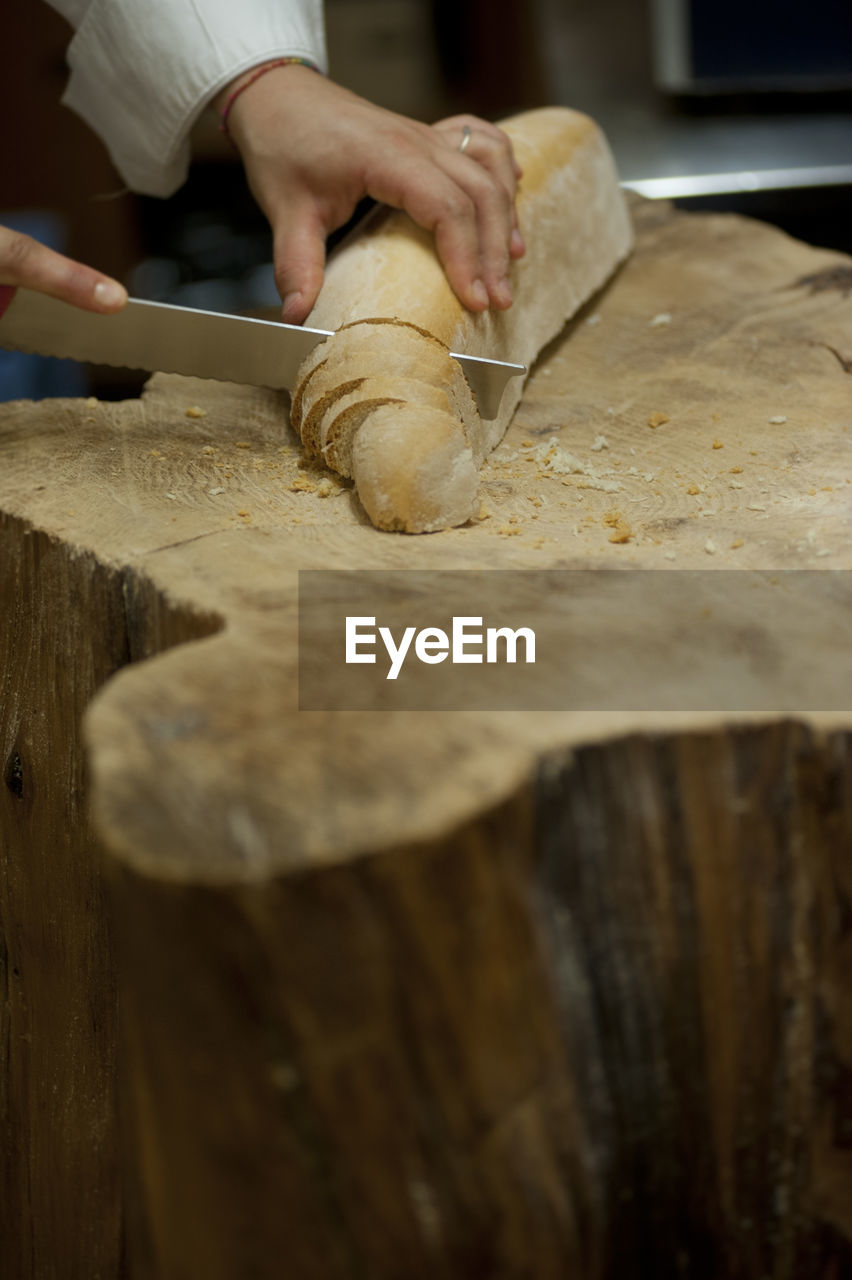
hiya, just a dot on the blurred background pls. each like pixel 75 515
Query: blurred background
pixel 743 105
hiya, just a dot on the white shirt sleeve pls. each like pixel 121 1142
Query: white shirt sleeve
pixel 142 71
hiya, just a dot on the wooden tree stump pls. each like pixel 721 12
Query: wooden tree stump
pixel 403 994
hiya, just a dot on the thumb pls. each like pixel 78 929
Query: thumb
pixel 299 252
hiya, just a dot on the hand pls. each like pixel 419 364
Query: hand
pixel 313 150
pixel 26 262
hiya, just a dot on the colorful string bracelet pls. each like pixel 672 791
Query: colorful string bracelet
pixel 260 71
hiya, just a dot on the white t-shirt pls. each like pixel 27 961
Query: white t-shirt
pixel 142 71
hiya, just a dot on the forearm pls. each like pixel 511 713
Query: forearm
pixel 141 74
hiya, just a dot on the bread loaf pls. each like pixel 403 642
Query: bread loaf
pixel 366 400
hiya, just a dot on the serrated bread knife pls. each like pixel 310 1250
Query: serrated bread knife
pixel 204 344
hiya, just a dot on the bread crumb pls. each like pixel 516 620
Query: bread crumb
pixel 657 419
pixel 302 485
pixel 736 544
pixel 484 513
pixel 736 484
pixel 718 444
pixel 756 506
pixel 214 493
pixel 246 515
pixel 601 442
pixel 535 501
pixel 243 444
pixel 710 547
pixel 621 531
pixel 195 412
pixel 558 461
pixel 735 471
pixel 173 496
pixel 509 530
pixel 92 402
pixel 605 486
pixel 593 320
pixel 155 453
pixel 326 487
pixel 208 450
pixel 693 488
pixel 777 420
pixel 663 317
pixel 671 555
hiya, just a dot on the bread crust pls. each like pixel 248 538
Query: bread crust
pixel 414 470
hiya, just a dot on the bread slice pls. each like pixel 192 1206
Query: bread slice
pixel 378 348
pixel 386 280
pixel 362 339
pixel 393 361
pixel 342 417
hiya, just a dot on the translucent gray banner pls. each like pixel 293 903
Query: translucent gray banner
pixel 584 640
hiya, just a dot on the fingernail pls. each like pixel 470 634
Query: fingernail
pixel 109 293
pixel 504 293
pixel 289 302
pixel 517 243
pixel 479 294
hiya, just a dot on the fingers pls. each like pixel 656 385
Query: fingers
pixel 491 148
pixel 492 214
pixel 27 263
pixel 489 145
pixel 436 201
pixel 488 153
pixel 299 235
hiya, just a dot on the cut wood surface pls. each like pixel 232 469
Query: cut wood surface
pixel 455 994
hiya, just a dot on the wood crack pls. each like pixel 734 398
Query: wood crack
pixel 846 365
pixel 184 542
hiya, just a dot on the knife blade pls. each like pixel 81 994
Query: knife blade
pixel 204 344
